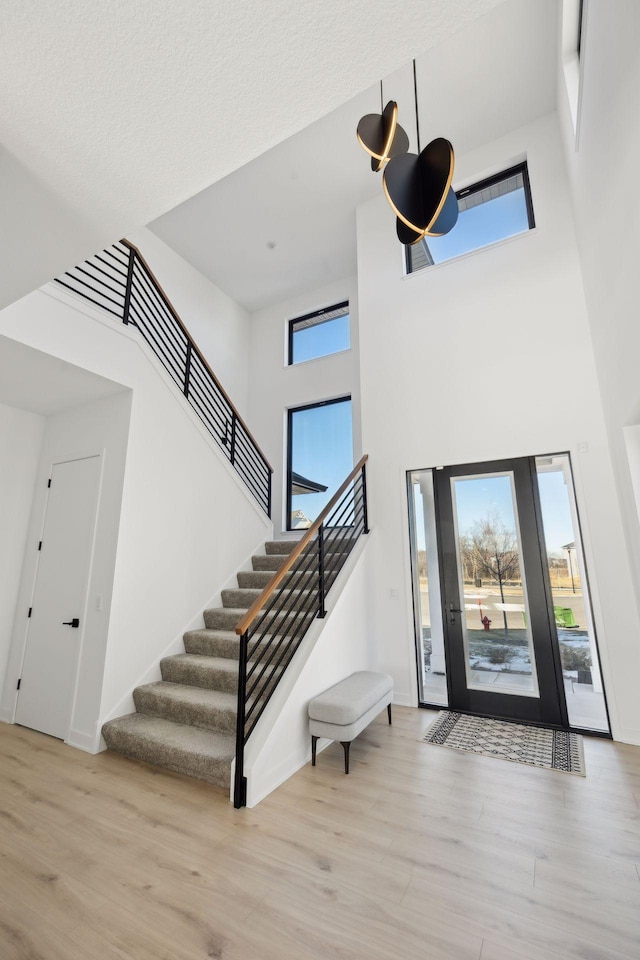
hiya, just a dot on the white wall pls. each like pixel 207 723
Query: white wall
pixel 46 235
pixel 218 324
pixel 274 386
pixel 602 180
pixel 20 442
pixel 469 361
pixel 178 543
pixel 99 427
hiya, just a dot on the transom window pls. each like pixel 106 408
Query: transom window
pixel 319 334
pixel 489 211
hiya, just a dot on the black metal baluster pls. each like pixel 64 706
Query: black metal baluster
pixel 365 516
pixel 240 786
pixel 234 421
pixel 127 292
pixel 321 608
pixel 187 369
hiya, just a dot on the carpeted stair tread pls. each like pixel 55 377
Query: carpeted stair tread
pixel 191 751
pixel 213 709
pixel 193 669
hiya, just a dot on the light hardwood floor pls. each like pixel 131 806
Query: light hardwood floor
pixel 421 852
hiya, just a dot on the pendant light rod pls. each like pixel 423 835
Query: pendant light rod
pixel 381 98
pixel 415 97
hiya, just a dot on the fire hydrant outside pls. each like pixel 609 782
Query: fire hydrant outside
pixel 486 623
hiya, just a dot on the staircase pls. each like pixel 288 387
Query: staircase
pixel 186 722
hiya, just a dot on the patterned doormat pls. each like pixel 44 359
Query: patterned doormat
pixel 519 742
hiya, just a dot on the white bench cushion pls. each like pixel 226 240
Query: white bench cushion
pixel 350 699
pixel 348 731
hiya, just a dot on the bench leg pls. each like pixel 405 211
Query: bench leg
pixel 389 712
pixel 314 741
pixel 346 744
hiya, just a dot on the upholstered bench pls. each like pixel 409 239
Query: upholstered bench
pixel 344 710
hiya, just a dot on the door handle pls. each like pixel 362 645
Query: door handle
pixel 71 623
pixel 453 610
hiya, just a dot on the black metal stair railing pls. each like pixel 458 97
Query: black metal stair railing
pixel 273 627
pixel 120 281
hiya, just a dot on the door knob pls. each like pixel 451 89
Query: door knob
pixel 71 623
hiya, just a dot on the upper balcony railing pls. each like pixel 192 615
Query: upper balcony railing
pixel 120 281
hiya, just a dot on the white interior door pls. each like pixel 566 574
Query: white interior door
pixel 56 625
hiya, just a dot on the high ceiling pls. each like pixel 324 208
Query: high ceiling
pixel 126 109
pixel 491 76
pixel 114 115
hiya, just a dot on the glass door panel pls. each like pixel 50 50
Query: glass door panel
pixel 493 602
pixel 502 651
pixel 582 680
pixel 432 670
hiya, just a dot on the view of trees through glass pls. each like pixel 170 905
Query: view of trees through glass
pixel 493 588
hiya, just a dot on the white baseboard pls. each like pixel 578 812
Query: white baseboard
pixel 82 741
pixel 403 700
pixel 6 716
pixel 628 735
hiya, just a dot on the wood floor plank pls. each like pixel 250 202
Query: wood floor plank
pixel 564 926
pixel 421 852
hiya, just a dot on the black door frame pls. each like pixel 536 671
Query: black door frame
pixel 550 708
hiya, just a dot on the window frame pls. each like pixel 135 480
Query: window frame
pixel 518 168
pixel 311 316
pixel 290 411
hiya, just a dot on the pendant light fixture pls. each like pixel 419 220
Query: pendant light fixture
pixel 381 136
pixel 417 186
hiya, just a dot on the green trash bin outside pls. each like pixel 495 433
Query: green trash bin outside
pixel 564 617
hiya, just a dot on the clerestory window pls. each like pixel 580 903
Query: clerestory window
pixel 319 334
pixel 489 211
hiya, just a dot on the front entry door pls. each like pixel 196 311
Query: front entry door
pixel 48 677
pixel 503 658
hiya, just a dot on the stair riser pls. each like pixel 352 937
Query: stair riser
pixel 153 704
pixel 221 619
pixel 245 580
pixel 217 772
pixel 280 547
pixel 336 543
pixel 266 563
pixel 209 679
pixel 254 579
pixel 241 599
pixel 212 644
pixel 226 620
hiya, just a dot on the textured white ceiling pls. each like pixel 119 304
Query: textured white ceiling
pixel 491 76
pixel 126 109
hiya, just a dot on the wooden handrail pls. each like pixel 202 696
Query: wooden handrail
pixel 194 346
pixel 258 604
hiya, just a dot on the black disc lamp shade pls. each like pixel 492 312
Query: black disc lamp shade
pixel 418 188
pixel 382 136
